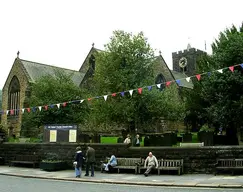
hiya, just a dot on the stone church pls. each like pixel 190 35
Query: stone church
pixel 23 73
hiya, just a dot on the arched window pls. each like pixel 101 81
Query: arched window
pixel 92 62
pixel 160 79
pixel 14 95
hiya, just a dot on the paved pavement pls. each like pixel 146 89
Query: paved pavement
pixel 186 180
pixel 18 184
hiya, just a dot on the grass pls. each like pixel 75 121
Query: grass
pixel 112 140
pixel 108 140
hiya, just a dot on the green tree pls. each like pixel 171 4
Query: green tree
pixel 0 99
pixel 217 98
pixel 126 64
pixel 50 90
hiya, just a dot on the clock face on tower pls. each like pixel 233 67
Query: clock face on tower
pixel 183 62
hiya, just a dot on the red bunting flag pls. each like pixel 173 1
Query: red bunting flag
pixel 140 90
pixel 113 94
pixel 11 112
pixel 46 107
pixel 168 83
pixel 28 109
pixel 231 68
pixel 198 77
pixel 89 99
pixel 64 104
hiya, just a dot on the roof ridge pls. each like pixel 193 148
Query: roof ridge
pixel 49 65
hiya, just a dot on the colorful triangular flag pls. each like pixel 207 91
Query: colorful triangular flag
pixel 188 79
pixel 168 83
pixel 113 94
pixel 198 76
pixel 33 109
pixel 231 68
pixel 40 108
pixel 122 94
pixel 105 97
pixel 131 92
pixel 140 90
pixel 89 99
pixel 220 70
pixel 178 81
pixel 64 104
pixel 158 85
pixel 11 112
pixel 46 107
pixel 28 109
pixel 209 73
pixel 241 65
pixel 81 101
pixel 58 105
pixel 22 110
pixel 150 88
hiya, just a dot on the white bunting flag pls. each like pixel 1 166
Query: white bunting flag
pixel 220 70
pixel 22 111
pixel 40 108
pixel 158 85
pixel 188 79
pixel 105 97
pixel 131 92
pixel 82 101
pixel 58 105
pixel 7 112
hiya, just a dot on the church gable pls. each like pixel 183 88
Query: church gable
pixel 160 68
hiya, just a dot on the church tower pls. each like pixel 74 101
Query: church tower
pixel 186 61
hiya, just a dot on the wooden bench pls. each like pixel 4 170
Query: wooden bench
pixel 125 163
pixel 25 159
pixel 192 144
pixel 165 164
pixel 228 165
pixel 171 164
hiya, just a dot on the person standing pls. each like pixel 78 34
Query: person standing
pixel 137 141
pixel 90 161
pixel 128 139
pixel 78 162
pixel 150 163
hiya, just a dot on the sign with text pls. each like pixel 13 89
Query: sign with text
pixel 60 133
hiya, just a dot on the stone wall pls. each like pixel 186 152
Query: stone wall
pixel 196 160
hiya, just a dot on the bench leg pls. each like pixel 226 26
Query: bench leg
pixel 179 171
pixel 158 171
pixel 118 170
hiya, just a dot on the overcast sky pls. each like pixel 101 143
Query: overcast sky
pixel 61 32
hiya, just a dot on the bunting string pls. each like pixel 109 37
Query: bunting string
pixel 105 97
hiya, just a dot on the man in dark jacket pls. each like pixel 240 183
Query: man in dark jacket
pixel 90 161
pixel 78 162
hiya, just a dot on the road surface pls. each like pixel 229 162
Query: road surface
pixel 17 184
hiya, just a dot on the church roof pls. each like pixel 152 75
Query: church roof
pixel 36 70
pixel 181 77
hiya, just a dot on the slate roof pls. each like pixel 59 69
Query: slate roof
pixel 182 77
pixel 36 70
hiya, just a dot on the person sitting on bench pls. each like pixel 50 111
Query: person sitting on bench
pixel 152 162
pixel 112 163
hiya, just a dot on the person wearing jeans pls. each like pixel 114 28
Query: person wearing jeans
pixel 78 162
pixel 90 161
pixel 150 163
